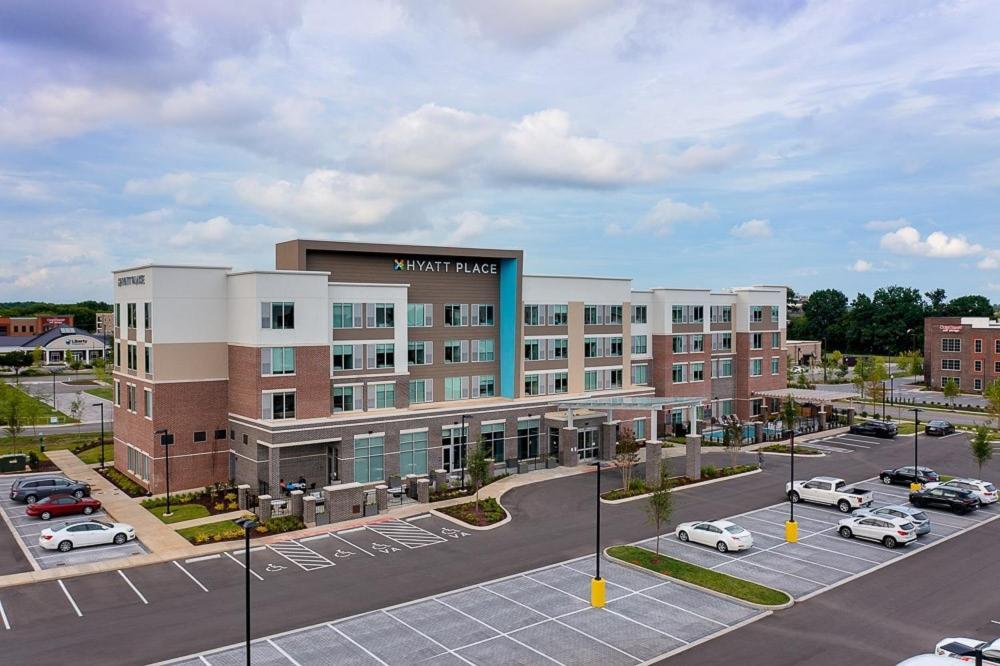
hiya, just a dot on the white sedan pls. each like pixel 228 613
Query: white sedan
pixel 984 491
pixel 887 530
pixel 964 649
pixel 87 533
pixel 719 534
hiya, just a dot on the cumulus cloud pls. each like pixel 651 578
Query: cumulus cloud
pixel 59 111
pixel 907 240
pixel 667 214
pixel 991 260
pixel 181 186
pixel 886 225
pixel 861 266
pixel 471 224
pixel 752 229
pixel 526 23
pixel 220 230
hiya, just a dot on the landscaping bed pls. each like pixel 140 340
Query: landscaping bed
pixel 105 392
pixel 638 486
pixel 122 482
pixel 210 501
pixel 468 491
pixel 490 512
pixel 227 530
pixel 700 576
pixel 785 448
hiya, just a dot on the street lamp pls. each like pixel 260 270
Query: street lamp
pixel 166 439
pixel 883 400
pixel 791 527
pixel 247 524
pixel 915 485
pixel 597 585
pixel 101 405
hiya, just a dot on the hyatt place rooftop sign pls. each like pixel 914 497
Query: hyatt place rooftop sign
pixel 436 266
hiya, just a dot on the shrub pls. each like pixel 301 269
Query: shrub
pixel 637 486
pixel 281 524
pixel 33 461
pixel 200 538
pixel 709 472
pixel 220 507
pixel 232 506
pixel 229 497
pixel 864 413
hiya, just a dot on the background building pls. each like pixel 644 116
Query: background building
pixel 966 349
pixel 33 325
pixel 104 323
pixel 807 353
pixel 58 345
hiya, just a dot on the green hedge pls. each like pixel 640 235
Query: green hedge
pixel 128 485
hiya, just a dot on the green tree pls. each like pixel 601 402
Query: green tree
pixel 859 333
pixel 36 356
pixel 911 362
pixel 478 467
pixel 981 447
pixel 12 413
pixel 75 364
pixel 732 436
pixel 950 390
pixel 789 413
pixel 992 395
pixel 936 298
pixel 626 455
pixel 826 313
pixel 101 370
pixel 969 306
pixel 660 504
pixel 17 361
pixel 895 310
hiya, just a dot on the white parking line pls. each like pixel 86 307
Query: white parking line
pixel 837 552
pixel 797 518
pixel 852 443
pixel 856 542
pixel 761 566
pixel 71 601
pixel 283 653
pixel 431 639
pixel 3 616
pixel 420 517
pixel 196 581
pixel 134 588
pixel 337 536
pixel 779 553
pixel 314 538
pixel 356 644
pixel 254 573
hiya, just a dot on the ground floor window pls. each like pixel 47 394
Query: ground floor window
pixel 369 458
pixel 453 447
pixel 756 407
pixel 527 439
pixel 553 441
pixel 639 428
pixel 493 439
pixel 586 443
pixel 138 463
pixel 413 453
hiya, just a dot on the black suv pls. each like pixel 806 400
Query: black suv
pixel 939 427
pixel 33 488
pixel 885 429
pixel 905 475
pixel 959 501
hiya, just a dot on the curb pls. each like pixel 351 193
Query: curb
pixel 721 595
pixel 679 488
pixel 467 526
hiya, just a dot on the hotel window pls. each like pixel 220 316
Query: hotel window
pixel 456 314
pixel 130 397
pixel 532 385
pixel 957 380
pixel 639 428
pixel 483 386
pixel 774 313
pixel 413 453
pixel 369 458
pixel 951 344
pixel 775 365
pixel 419 353
pixel 615 346
pixel 200 436
pixel 722 368
pixel 147 315
pixel 147 359
pixel 756 406
pixel 382 396
pixel 697 314
pixel 483 351
pixel 677 373
pixel 639 344
pixel 722 342
pixel 697 372
pixel 979 346
pixel 278 360
pixel 531 315
pixel 639 314
pixel 640 374
pixel 531 350
pixel 275 406
pixel 132 357
pixel 560 315
pixel 347 399
pixel 419 315
pixel 996 346
pixel 118 393
pixel 722 314
pixel 560 348
pixel 456 351
pixel 776 340
pixel 996 367
pixel 978 366
pixel 677 314
pixel 615 379
pixel 951 364
pixel 482 315
pixel 527 439
pixel 118 315
pixel 130 315
pixel 756 313
pixel 697 343
pixel 347 315
pixel 756 367
pixel 590 380
pixel 591 314
pixel 590 348
pixel 421 390
pixel 615 314
pixel 346 357
pixel 456 388
pixel 492 435
pixel 277 315
pixel 977 384
pixel 381 315
pixel 757 341
pixel 560 382
pixel 678 344
pixel 381 355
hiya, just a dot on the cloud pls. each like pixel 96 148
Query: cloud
pixel 59 111
pixel 614 229
pixel 752 229
pixel 526 23
pixel 180 186
pixel 666 214
pixel 886 225
pixel 473 224
pixel 220 230
pixel 991 260
pixel 706 158
pixel 861 266
pixel 906 240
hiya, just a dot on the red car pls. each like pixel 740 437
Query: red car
pixel 63 505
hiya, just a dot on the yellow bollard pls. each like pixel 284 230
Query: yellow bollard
pixel 597 592
pixel 914 487
pixel 791 531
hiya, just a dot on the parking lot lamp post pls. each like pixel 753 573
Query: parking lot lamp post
pixel 791 527
pixel 883 400
pixel 166 439
pixel 247 524
pixel 597 585
pixel 465 449
pixel 101 405
pixel 915 485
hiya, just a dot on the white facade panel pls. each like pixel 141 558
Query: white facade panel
pixel 546 289
pixel 308 291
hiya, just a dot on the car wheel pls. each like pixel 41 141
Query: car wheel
pixel 65 546
pixel 87 510
pixel 846 532
pixel 120 538
pixel 78 494
pixel 30 499
pixel 886 479
pixel 45 515
pixel 844 506
pixel 889 542
pixel 683 536
pixel 794 497
pixel 722 547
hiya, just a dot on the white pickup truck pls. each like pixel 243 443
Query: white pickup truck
pixel 828 490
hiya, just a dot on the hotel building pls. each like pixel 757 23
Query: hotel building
pixel 966 349
pixel 352 362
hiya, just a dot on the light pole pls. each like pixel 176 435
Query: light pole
pixel 883 400
pixel 247 524
pixel 791 527
pixel 915 485
pixel 166 439
pixel 464 452
pixel 597 585
pixel 101 405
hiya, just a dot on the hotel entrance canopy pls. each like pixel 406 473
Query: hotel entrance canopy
pixel 611 403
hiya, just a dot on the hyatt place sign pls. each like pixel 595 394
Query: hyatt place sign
pixel 434 266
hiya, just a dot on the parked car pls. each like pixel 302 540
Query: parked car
pixel 890 532
pixel 927 660
pixel 939 427
pixel 62 505
pixel 33 488
pixel 828 490
pixel 719 534
pixel 799 370
pixel 964 649
pixel 883 429
pixel 959 501
pixel 984 491
pixel 919 519
pixel 86 533
pixel 906 476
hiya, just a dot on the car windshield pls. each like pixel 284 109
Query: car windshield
pixel 990 488
pixel 906 526
pixel 106 526
pixel 735 529
pixel 920 515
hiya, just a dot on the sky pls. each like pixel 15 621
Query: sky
pixel 722 143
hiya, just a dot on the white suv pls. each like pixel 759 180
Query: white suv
pixel 888 531
pixel 984 491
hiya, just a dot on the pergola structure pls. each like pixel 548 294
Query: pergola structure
pixel 805 395
pixel 638 403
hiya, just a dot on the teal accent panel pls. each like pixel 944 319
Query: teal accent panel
pixel 508 326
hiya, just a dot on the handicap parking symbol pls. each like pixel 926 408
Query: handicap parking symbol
pixel 274 567
pixel 384 548
pixel 453 533
pixel 343 553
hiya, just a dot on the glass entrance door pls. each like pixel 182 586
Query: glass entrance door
pixel 453 448
pixel 586 443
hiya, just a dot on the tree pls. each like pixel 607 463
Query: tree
pixel 626 455
pixel 950 390
pixel 101 370
pixel 732 436
pixel 981 447
pixel 660 504
pixel 969 306
pixel 17 360
pixel 11 413
pixel 895 310
pixel 911 362
pixel 36 356
pixel 75 364
pixel 937 299
pixel 789 414
pixel 32 413
pixel 478 467
pixel 858 328
pixel 826 313
pixel 77 406
pixel 992 395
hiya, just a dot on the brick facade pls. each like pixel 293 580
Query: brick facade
pixel 976 369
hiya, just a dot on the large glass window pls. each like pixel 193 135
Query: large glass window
pixel 677 314
pixel 590 380
pixel 774 313
pixel 385 395
pixel 722 314
pixel 369 458
pixel 722 342
pixel 147 315
pixel 277 315
pixel 638 314
pixel 343 398
pixel 615 378
pixel 590 347
pixel 419 315
pixel 343 357
pixel 417 353
pixel 147 403
pixel 951 344
pixel 561 382
pixel 456 314
pixel 590 314
pixel 453 351
pixel 639 428
pixel 776 340
pixel 130 315
pixel 951 364
pixel 615 346
pixel 756 313
pixel 775 365
pixel 493 439
pixel 697 372
pixel 527 439
pixel 532 386
pixel 420 391
pixel 678 344
pixel 133 359
pixel 453 387
pixel 640 374
pixel 697 314
pixel 344 315
pixel 677 373
pixel 277 361
pixel 722 368
pixel 531 315
pixel 413 453
pixel 615 314
pixel 698 343
pixel 385 355
pixel 484 351
pixel 757 341
pixel 484 315
pixel 531 350
pixel 756 367
pixel 278 406
pixel 560 348
pixel 384 315
pixel 640 344
pixel 487 386
pixel 560 315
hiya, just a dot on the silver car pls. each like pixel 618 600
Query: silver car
pixel 914 515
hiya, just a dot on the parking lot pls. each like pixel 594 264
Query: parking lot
pixel 27 529
pixel 821 558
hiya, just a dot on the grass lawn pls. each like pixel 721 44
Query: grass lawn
pixel 44 409
pixel 27 441
pixel 105 392
pixel 785 448
pixel 93 455
pixel 181 512
pixel 490 512
pixel 222 527
pixel 700 576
